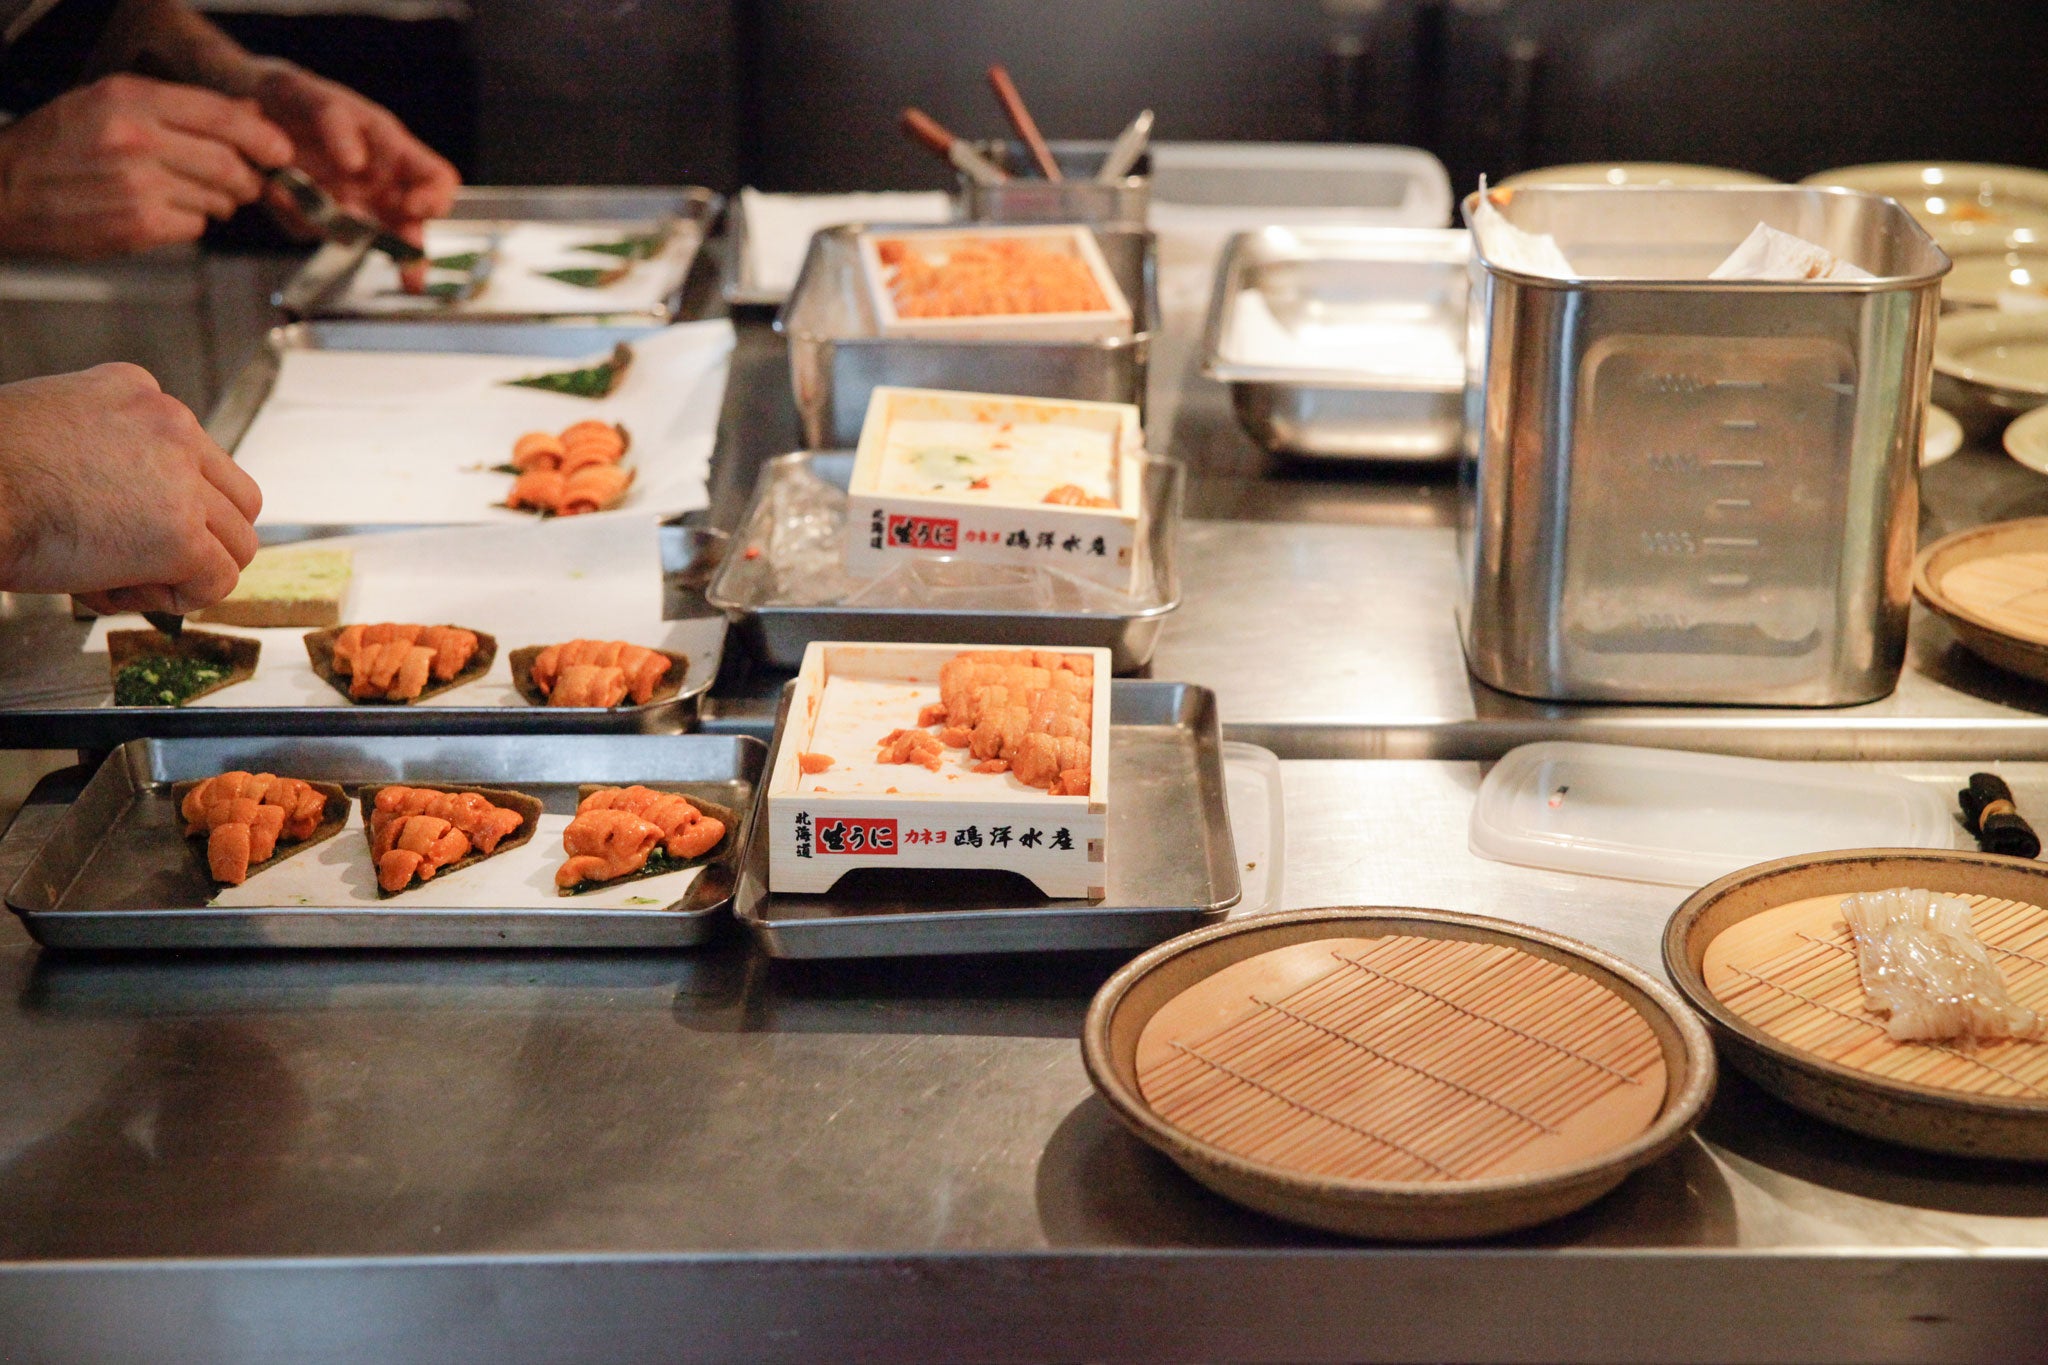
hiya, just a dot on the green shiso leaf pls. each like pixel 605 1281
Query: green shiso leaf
pixel 595 381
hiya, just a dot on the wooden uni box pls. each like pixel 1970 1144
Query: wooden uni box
pixel 822 825
pixel 936 244
pixel 912 495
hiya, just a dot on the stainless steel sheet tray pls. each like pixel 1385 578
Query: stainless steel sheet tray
pixel 778 631
pixel 53 694
pixel 837 357
pixel 1322 402
pixel 115 873
pixel 315 291
pixel 1172 862
pixel 251 386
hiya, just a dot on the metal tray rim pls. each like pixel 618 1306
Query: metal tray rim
pixel 1237 254
pixel 325 271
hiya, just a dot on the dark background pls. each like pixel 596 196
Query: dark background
pixel 803 94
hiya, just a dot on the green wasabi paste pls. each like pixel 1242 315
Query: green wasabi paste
pixel 159 680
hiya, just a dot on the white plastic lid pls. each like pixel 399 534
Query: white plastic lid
pixel 1684 819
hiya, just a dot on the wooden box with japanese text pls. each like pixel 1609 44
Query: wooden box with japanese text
pixel 834 806
pixel 1045 282
pixel 996 479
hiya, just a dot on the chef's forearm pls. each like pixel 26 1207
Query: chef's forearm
pixel 170 40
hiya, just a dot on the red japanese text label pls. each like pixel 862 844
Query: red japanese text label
pixel 838 834
pixel 924 533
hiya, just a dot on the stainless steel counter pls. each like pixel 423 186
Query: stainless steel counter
pixel 710 1156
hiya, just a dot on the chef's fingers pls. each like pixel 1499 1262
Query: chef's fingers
pixel 213 578
pixel 229 527
pixel 231 479
pixel 115 601
pixel 238 123
pixel 209 162
pixel 342 137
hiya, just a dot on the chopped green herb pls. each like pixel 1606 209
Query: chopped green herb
pixel 465 261
pixel 447 291
pixel 632 248
pixel 594 382
pixel 657 863
pixel 159 680
pixel 589 277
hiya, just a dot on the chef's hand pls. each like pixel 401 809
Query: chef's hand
pixel 110 490
pixel 128 163
pixel 357 150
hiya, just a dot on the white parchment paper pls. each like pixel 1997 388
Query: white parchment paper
pixel 392 437
pixel 339 871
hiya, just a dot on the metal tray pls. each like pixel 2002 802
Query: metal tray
pixel 246 393
pixel 312 291
pixel 1173 864
pixel 1362 275
pixel 115 873
pixel 52 694
pixel 837 357
pixel 777 632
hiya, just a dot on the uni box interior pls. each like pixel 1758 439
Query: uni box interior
pixel 895 511
pixel 1113 319
pixel 859 813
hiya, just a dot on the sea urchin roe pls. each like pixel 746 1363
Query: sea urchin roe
pixel 989 277
pixel 163 680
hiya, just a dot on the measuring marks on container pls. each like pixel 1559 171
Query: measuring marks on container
pixel 1403 1058
pixel 1706 490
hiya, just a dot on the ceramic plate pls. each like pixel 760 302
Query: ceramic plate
pixel 2005 351
pixel 1634 173
pixel 2026 440
pixel 1953 199
pixel 1990 270
pixel 1941 437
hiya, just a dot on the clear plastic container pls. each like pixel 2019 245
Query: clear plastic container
pixel 1684 819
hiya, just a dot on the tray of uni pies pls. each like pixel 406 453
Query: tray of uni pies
pixel 444 841
pixel 1901 994
pixel 1398 1073
pixel 1028 482
pixel 526 253
pixel 351 426
pixel 951 799
pixel 556 627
